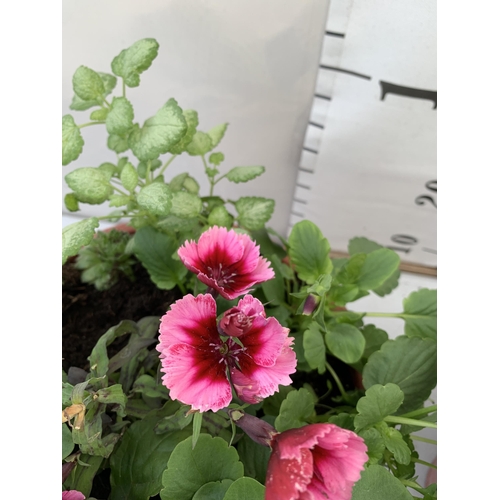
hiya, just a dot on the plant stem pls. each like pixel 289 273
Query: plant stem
pixel 123 87
pixel 210 179
pixel 409 421
pixel 421 411
pixel 382 315
pixel 167 163
pixel 120 191
pixel 337 380
pixel 89 123
pixel 423 462
pixel 424 440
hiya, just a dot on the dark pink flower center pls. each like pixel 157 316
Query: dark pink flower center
pixel 221 275
pixel 227 352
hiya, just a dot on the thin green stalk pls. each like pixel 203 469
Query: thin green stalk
pixel 89 124
pixel 148 173
pixel 123 88
pixel 423 462
pixel 120 191
pixel 210 179
pixel 409 421
pixel 337 380
pixel 167 163
pixel 411 484
pixel 382 315
pixel 421 411
pixel 104 100
pixel 424 440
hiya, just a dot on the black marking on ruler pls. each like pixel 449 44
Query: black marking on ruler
pixel 298 214
pixel 335 33
pixel 316 125
pixel 429 250
pixel 320 96
pixel 308 170
pixel 310 150
pixel 302 185
pixel 300 201
pixel 348 72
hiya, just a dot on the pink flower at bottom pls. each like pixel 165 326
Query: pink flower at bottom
pixel 315 462
pixel 72 495
pixel 199 364
pixel 226 261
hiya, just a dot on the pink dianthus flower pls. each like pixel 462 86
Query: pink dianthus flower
pixel 227 261
pixel 72 495
pixel 198 362
pixel 314 462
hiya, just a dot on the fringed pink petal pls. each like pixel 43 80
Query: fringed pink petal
pixel 286 479
pixel 219 248
pixel 196 378
pixel 191 320
pixel 269 378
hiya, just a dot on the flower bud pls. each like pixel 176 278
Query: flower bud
pixel 258 430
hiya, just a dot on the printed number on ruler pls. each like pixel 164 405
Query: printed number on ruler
pixel 425 198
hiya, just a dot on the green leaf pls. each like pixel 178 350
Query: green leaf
pixel 362 245
pixel 271 405
pixel 374 442
pixel 71 202
pixel 245 488
pixel 137 465
pixel 155 249
pixel 131 62
pixel 120 116
pixel 67 441
pixel 321 285
pixel 219 216
pixel 407 362
pixel 197 421
pixel 185 205
pixel 345 342
pixel 268 247
pixel 129 177
pixel 191 117
pixel 395 443
pixel 217 133
pixel 214 490
pixel 117 144
pixel 377 483
pixel 108 169
pixel 377 268
pixel 109 82
pixel 118 200
pixel 72 141
pixel 254 457
pixel 159 133
pixel 82 477
pixel 295 410
pixel 309 251
pixel 77 235
pixel 189 469
pixel 200 144
pixel 274 289
pixel 374 338
pixel 244 174
pixel 420 314
pixel 90 185
pixel 254 212
pixel 389 284
pixel 351 270
pixel 314 347
pixel 378 402
pixel 99 114
pixel 216 159
pixel 87 84
pixel 156 198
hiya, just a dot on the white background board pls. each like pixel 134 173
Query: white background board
pixel 368 167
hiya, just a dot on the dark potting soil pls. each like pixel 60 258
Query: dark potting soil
pixel 88 313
